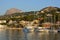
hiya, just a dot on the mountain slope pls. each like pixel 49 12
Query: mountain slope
pixel 12 11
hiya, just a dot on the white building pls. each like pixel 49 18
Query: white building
pixel 2 21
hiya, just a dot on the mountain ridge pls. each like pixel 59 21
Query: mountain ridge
pixel 12 11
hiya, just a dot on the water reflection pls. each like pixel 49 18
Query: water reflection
pixel 14 34
pixel 20 35
pixel 2 34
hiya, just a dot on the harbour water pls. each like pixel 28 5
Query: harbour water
pixel 15 34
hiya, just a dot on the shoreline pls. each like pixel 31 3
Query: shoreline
pixel 12 28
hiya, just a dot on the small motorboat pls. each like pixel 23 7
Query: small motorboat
pixel 53 31
pixel 41 29
pixel 28 29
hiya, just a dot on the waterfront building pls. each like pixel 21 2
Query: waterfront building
pixel 2 21
pixel 46 24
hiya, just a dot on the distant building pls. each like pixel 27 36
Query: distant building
pixel 2 21
pixel 46 25
pixel 3 26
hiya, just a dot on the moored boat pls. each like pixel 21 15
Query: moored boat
pixel 41 29
pixel 28 29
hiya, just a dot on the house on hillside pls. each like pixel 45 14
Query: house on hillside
pixel 46 24
pixel 2 21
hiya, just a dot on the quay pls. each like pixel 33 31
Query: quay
pixel 13 28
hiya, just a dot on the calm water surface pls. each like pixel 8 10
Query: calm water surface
pixel 20 35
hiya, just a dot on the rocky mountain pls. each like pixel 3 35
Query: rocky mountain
pixel 12 11
pixel 50 9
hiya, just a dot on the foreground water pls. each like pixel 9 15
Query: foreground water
pixel 20 35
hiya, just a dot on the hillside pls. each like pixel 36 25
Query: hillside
pixel 18 14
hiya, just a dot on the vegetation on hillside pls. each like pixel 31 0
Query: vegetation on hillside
pixel 48 14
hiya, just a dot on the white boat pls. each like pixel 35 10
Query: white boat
pixel 28 29
pixel 41 29
pixel 53 31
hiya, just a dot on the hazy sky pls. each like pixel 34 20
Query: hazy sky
pixel 27 5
